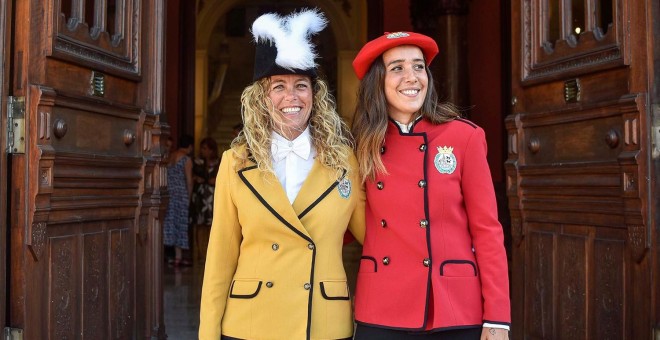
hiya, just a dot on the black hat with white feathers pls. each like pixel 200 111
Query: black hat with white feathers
pixel 284 43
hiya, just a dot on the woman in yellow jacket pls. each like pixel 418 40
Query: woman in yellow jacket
pixel 285 194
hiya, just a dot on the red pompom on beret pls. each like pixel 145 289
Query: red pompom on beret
pixel 373 49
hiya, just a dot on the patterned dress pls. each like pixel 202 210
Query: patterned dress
pixel 176 218
pixel 201 207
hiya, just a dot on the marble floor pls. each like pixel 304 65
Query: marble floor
pixel 181 295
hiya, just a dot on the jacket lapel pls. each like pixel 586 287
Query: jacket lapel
pixel 271 194
pixel 319 184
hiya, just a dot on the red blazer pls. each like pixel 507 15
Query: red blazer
pixel 433 255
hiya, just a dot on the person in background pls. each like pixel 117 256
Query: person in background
pixel 205 170
pixel 286 192
pixel 433 264
pixel 179 182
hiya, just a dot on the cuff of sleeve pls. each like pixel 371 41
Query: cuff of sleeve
pixel 495 325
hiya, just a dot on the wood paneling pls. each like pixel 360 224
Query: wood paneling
pixel 578 177
pixel 90 187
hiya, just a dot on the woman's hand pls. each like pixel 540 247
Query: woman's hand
pixel 494 334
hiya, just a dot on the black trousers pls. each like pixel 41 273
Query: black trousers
pixel 373 333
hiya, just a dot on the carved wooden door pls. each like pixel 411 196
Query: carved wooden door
pixel 579 169
pixel 85 196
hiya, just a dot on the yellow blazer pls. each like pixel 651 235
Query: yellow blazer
pixel 274 269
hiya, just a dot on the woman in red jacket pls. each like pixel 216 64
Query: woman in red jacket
pixel 433 264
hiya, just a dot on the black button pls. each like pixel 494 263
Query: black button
pixel 426 262
pixel 422 183
pixel 422 147
pixel 380 185
pixel 386 260
pixel 269 284
pixel 423 223
pixel 382 150
pixel 383 223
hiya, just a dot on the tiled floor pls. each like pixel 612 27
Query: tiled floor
pixel 181 296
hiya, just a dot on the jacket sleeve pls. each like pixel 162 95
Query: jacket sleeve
pixel 486 231
pixel 222 253
pixel 356 225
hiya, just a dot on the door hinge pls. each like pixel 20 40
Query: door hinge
pixel 13 333
pixel 15 125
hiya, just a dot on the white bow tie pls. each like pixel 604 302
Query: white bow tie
pixel 282 148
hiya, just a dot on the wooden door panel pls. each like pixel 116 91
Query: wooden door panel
pixel 553 49
pixel 90 186
pixel 578 175
pixel 91 39
pixel 576 267
pixel 79 82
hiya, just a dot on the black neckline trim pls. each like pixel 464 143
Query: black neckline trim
pixel 323 195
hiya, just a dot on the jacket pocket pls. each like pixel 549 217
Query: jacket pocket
pixel 335 290
pixel 244 289
pixel 368 264
pixel 458 268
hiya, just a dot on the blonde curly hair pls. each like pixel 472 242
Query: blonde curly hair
pixel 328 130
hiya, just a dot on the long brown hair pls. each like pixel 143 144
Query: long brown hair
pixel 371 116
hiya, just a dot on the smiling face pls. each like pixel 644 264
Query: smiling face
pixel 406 81
pixel 292 99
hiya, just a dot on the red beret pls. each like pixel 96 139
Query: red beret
pixel 373 49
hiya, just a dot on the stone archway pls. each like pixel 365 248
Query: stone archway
pixel 347 28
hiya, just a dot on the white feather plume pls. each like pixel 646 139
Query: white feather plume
pixel 291 36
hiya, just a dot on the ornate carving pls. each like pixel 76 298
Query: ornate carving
pixel 63 295
pixel 120 290
pixel 38 239
pixel 631 135
pixel 533 72
pixel 93 286
pixel 629 182
pixel 45 177
pixel 44 125
pixel 637 242
pixel 573 297
pixel 527 37
pixel 88 54
pixel 593 59
pixel 98 49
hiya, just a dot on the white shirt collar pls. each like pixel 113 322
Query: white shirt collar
pixel 405 128
pixel 301 145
